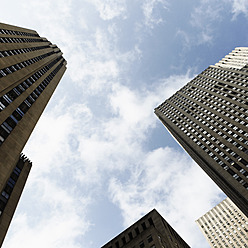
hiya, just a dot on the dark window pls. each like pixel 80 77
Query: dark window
pixel 12 95
pixel 137 231
pixel 130 235
pixel 12 121
pixel 3 132
pixel 2 205
pixel 14 176
pixel 5 194
pixel 117 244
pixel 151 221
pixel 124 240
pixel 149 238
pixel 24 107
pixel 20 164
pixel 16 115
pixel 231 172
pixel 11 182
pixel 141 244
pixel 8 189
pixel 143 225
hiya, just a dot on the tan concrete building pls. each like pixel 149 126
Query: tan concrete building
pixel 209 118
pixel 30 69
pixel 151 231
pixel 225 226
pixel 11 193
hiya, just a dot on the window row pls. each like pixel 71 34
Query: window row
pixel 5 194
pixel 11 95
pixel 11 32
pixel 13 68
pixel 20 51
pixel 209 144
pixel 131 234
pixel 10 123
pixel 19 40
pixel 212 120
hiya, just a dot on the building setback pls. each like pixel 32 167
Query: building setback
pixel 209 118
pixel 225 226
pixel 30 69
pixel 151 231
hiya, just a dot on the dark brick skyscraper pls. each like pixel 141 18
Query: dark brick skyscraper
pixel 30 69
pixel 151 231
pixel 209 118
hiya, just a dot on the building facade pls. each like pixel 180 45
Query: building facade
pixel 11 193
pixel 225 226
pixel 30 69
pixel 209 119
pixel 151 231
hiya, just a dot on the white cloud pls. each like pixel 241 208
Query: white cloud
pixel 94 137
pixel 53 134
pixel 96 64
pixel 110 9
pixel 204 18
pixel 53 208
pixel 54 216
pixel 239 6
pixel 152 18
pixel 169 181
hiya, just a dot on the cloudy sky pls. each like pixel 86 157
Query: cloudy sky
pixel 101 158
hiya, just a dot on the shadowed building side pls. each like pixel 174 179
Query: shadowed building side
pixel 151 231
pixel 11 194
pixel 209 119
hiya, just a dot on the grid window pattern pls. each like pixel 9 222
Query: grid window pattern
pixel 209 117
pixel 8 53
pixel 10 123
pixel 205 120
pixel 19 33
pixel 225 226
pixel 31 69
pixel 10 96
pixel 148 232
pixel 13 68
pixel 19 40
pixel 6 192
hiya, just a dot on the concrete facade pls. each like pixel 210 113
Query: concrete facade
pixel 225 226
pixel 151 231
pixel 11 194
pixel 30 69
pixel 209 119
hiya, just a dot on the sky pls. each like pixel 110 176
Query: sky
pixel 101 158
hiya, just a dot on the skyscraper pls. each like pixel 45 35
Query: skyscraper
pixel 30 69
pixel 151 231
pixel 11 194
pixel 225 226
pixel 209 118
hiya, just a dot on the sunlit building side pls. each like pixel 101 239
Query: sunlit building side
pixel 225 226
pixel 30 69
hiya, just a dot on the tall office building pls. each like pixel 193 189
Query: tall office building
pixel 225 226
pixel 11 193
pixel 209 118
pixel 151 231
pixel 30 69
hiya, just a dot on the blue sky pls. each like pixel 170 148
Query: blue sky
pixel 101 158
